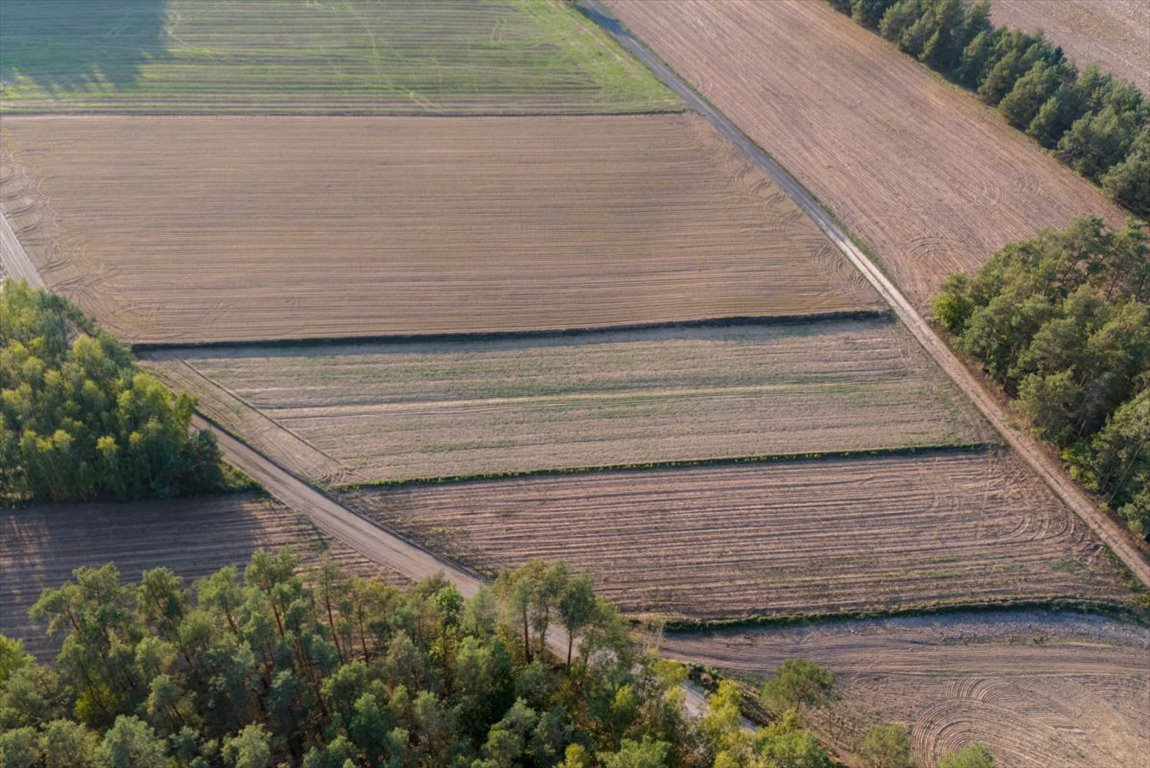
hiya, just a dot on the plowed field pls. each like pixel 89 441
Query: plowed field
pixel 402 411
pixel 202 229
pixel 294 57
pixel 784 538
pixel 1114 34
pixel 925 174
pixel 41 546
pixel 1041 690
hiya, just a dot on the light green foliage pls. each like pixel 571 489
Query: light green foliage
pixel 12 658
pixel 971 756
pixel 797 683
pixel 248 673
pixel 1063 323
pixel 78 421
pixel 287 56
pixel 1117 462
pixel 886 746
pixel 638 754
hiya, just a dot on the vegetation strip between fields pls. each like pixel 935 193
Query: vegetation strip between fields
pixel 483 336
pixel 718 461
pixel 1090 607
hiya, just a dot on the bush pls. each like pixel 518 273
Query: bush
pixel 78 421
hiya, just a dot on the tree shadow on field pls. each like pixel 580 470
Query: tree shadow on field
pixel 77 46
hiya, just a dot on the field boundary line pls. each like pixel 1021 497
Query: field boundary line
pixel 733 321
pixel 1048 470
pixel 85 115
pixel 1118 611
pixel 655 466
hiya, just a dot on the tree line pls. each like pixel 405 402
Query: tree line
pixel 79 421
pixel 1062 322
pixel 1097 124
pixel 335 671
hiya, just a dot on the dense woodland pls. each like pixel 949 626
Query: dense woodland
pixel 337 672
pixel 77 419
pixel 1098 125
pixel 1062 322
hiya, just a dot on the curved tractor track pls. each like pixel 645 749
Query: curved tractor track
pixel 1030 451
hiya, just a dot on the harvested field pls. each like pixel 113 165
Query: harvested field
pixel 218 229
pixel 1114 34
pixel 402 411
pixel 1042 690
pixel 774 539
pixel 291 57
pixel 41 546
pixel 927 176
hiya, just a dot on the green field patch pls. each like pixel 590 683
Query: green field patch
pixel 291 57
pixel 395 411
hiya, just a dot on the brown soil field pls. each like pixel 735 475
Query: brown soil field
pixel 1041 690
pixel 1114 34
pixel 40 546
pixel 217 229
pixel 928 177
pixel 401 411
pixel 774 539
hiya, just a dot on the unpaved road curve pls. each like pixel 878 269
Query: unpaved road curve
pixel 15 258
pixel 374 542
pixel 337 521
pixel 1051 473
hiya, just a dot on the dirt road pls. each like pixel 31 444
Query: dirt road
pixel 1051 473
pixel 337 521
pixel 14 258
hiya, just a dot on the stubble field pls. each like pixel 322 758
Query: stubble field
pixel 924 174
pixel 41 546
pixel 1114 34
pixel 291 57
pixel 219 229
pixel 385 412
pixel 1042 690
pixel 774 539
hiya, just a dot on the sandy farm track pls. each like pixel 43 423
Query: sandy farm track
pixel 402 411
pixel 1041 690
pixel 1114 34
pixel 927 176
pixel 779 538
pixel 41 546
pixel 202 229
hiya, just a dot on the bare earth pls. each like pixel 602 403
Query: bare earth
pixel 401 411
pixel 1114 34
pixel 927 176
pixel 41 546
pixel 210 229
pixel 786 538
pixel 1041 690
